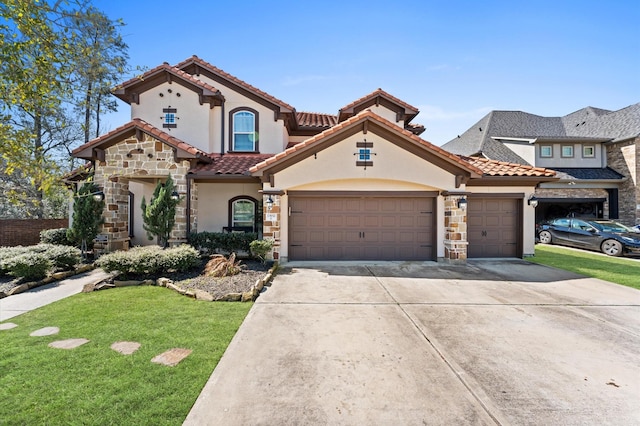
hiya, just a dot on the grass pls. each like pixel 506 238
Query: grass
pixel 94 385
pixel 614 269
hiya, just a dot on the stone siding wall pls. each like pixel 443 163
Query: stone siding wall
pixel 147 159
pixel 455 230
pixel 271 228
pixel 624 157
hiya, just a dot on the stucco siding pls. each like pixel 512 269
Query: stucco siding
pixel 213 202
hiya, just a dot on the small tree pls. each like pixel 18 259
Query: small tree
pixel 159 216
pixel 87 216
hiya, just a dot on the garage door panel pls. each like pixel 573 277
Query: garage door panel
pixel 393 228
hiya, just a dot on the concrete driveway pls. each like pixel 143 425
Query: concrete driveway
pixel 492 342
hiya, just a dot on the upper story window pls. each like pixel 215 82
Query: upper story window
pixel 567 151
pixel 244 130
pixel 588 151
pixel 546 151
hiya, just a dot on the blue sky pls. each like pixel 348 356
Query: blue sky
pixel 454 60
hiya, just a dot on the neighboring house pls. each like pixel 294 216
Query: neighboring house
pixel 595 153
pixel 361 184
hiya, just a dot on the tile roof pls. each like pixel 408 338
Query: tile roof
pixel 593 123
pixel 381 93
pixel 142 125
pixel 316 119
pixel 225 75
pixel 587 174
pixel 208 90
pixel 502 168
pixel 229 164
pixel 361 116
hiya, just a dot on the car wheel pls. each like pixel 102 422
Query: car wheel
pixel 545 237
pixel 612 248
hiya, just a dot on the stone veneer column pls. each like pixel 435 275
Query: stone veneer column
pixel 455 230
pixel 147 159
pixel 271 227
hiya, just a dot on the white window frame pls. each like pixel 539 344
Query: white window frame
pixel 243 223
pixel 251 134
pixel 542 149
pixel 562 154
pixel 584 151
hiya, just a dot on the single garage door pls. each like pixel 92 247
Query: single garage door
pixel 361 228
pixel 494 227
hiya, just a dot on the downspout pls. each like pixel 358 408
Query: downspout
pixel 188 207
pixel 222 129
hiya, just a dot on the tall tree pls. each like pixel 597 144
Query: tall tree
pixel 159 216
pixel 102 60
pixel 45 47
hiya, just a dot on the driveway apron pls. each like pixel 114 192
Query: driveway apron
pixel 490 342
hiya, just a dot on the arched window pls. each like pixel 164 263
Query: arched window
pixel 242 214
pixel 244 130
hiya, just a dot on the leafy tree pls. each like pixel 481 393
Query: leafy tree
pixel 87 216
pixel 159 216
pixel 55 57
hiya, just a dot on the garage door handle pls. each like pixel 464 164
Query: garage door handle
pixel 484 233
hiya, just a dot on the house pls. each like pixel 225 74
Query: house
pixel 594 152
pixel 360 184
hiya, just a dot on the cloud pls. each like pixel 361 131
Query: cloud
pixel 436 113
pixel 295 81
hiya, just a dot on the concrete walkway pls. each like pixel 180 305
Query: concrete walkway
pixel 492 342
pixel 37 297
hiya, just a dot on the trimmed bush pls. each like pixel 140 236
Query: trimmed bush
pixel 31 265
pixel 28 262
pixel 215 242
pixel 150 260
pixel 55 236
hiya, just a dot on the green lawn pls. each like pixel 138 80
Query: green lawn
pixel 94 385
pixel 614 269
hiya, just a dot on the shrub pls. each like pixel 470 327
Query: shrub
pixel 220 266
pixel 17 261
pixel 260 248
pixel 150 260
pixel 30 265
pixel 55 236
pixel 213 242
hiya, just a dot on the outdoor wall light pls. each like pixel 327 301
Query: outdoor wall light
pixel 98 196
pixel 175 196
pixel 269 203
pixel 533 201
pixel 462 203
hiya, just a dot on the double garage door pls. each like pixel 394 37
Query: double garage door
pixel 334 227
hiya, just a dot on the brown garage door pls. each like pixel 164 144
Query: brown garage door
pixel 361 228
pixel 494 227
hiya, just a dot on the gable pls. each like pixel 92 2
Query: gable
pixel 398 154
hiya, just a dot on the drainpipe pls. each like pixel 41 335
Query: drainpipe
pixel 222 129
pixel 188 206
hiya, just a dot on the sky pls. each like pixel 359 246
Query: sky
pixel 453 60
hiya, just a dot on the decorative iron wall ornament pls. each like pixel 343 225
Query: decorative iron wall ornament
pixel 364 154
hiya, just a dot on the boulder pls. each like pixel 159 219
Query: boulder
pixel 126 283
pixel 88 288
pixel 18 289
pixel 203 295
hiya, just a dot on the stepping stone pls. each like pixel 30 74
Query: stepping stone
pixel 8 326
pixel 47 331
pixel 68 344
pixel 125 348
pixel 171 357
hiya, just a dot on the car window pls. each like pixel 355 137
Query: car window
pixel 613 226
pixel 562 222
pixel 581 224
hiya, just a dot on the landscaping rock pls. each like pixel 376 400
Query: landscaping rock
pixel 231 297
pixel 125 348
pixel 88 288
pixel 18 289
pixel 3 294
pixel 83 268
pixel 128 283
pixel 104 286
pixel 203 295
pixel 148 282
pixel 68 343
pixel 61 275
pixel 172 286
pixel 46 331
pixel 8 326
pixel 171 357
pixel 162 282
pixel 247 296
